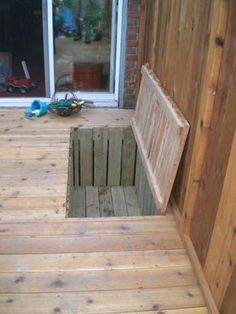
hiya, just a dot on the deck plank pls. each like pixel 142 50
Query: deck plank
pixel 196 310
pixel 92 201
pixel 94 261
pixel 102 301
pixel 86 153
pixel 133 208
pixel 114 156
pixel 100 136
pixel 78 207
pixel 128 157
pixel 128 225
pixel 92 243
pixel 118 199
pixel 72 281
pixel 105 202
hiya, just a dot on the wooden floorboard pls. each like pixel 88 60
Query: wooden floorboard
pixel 89 227
pixel 94 261
pixel 51 264
pixel 78 281
pixel 102 301
pixel 92 243
pixel 104 201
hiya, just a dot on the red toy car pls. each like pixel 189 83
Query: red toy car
pixel 21 84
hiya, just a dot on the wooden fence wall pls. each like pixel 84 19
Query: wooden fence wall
pixel 191 45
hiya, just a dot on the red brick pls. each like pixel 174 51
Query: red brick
pixel 134 9
pixel 132 37
pixel 133 29
pixel 132 43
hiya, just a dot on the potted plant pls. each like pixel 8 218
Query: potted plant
pixel 92 19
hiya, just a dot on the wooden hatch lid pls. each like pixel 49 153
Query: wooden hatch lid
pixel 160 130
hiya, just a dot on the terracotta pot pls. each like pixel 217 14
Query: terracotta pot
pixel 88 76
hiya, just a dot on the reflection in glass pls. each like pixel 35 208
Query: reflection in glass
pixel 21 39
pixel 82 44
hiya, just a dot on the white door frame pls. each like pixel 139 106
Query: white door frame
pixel 100 99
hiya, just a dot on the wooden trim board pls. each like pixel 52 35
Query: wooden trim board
pixel 200 276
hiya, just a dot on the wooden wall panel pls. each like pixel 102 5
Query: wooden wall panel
pixel 219 144
pixel 229 304
pixel 221 254
pixel 190 45
pixel 177 41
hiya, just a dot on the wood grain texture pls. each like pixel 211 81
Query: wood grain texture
pixel 86 156
pixel 94 261
pixel 106 156
pixel 128 157
pixel 34 160
pixel 221 255
pixel 156 114
pixel 100 137
pixel 133 208
pixel 105 202
pixel 92 201
pixel 103 301
pixel 78 203
pixel 118 199
pixel 35 282
pixel 114 156
pixel 90 243
pixel 207 108
pixel 219 145
pixel 190 46
pixel 229 303
pixel 82 265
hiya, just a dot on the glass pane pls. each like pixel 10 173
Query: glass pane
pixel 82 44
pixel 21 39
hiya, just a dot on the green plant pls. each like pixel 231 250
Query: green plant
pixel 95 14
pixel 92 18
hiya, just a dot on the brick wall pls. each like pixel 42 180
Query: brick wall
pixel 134 10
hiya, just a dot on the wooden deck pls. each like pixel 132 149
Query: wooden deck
pixel 34 160
pixel 51 264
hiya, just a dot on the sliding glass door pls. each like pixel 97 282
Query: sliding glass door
pixel 59 45
pixel 83 39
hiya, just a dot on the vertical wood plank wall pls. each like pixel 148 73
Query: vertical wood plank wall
pixel 103 156
pixel 190 45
